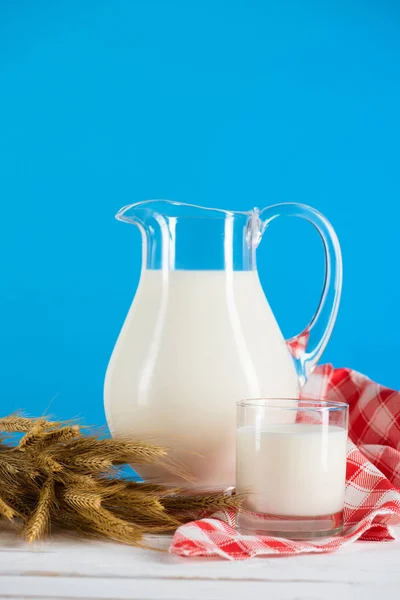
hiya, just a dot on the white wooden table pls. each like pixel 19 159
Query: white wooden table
pixel 68 568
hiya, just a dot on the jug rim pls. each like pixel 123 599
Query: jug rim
pixel 146 204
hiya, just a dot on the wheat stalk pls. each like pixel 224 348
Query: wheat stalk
pixel 18 424
pixel 6 511
pixel 39 521
pixel 81 499
pixel 63 434
pixel 32 436
pixel 206 501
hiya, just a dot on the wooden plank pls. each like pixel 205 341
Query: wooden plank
pixel 69 568
pixel 145 589
pixel 358 563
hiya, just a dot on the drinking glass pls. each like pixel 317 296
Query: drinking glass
pixel 291 467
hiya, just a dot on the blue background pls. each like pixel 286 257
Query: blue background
pixel 229 104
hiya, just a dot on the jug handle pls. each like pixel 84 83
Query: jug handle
pixel 308 346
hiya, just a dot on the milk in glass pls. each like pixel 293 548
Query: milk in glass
pixel 292 469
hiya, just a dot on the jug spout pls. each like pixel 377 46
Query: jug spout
pixel 139 213
pixel 163 212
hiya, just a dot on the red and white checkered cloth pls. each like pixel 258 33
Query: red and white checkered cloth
pixel 372 499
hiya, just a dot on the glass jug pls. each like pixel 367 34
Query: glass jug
pixel 200 333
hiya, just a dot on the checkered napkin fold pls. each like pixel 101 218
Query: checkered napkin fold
pixel 372 498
